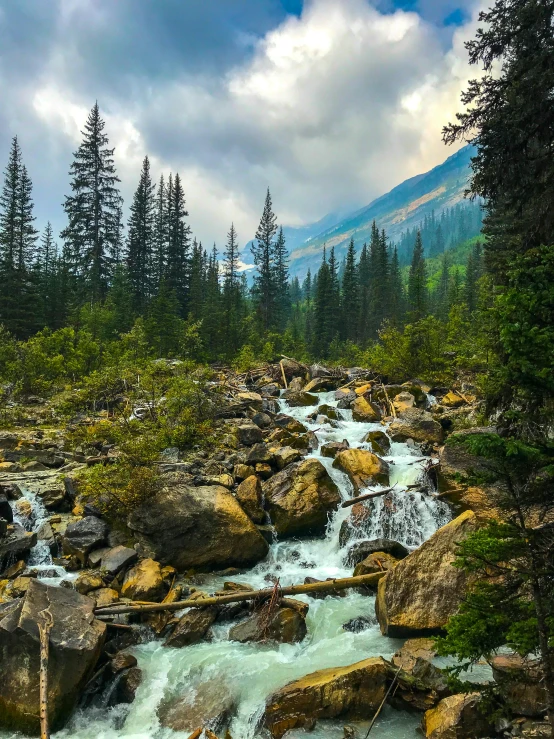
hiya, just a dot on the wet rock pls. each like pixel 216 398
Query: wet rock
pixel 249 434
pixel 15 543
pixel 144 581
pixel 11 490
pixel 105 596
pixel 375 562
pixel 284 456
pixel 365 411
pixel 421 684
pixel 297 399
pixel 345 397
pixel 360 623
pixel 192 627
pixel 242 471
pixel 291 425
pixel 249 495
pixel 379 442
pixel 521 684
pixel 359 550
pixel 126 687
pixel 329 411
pixel 349 692
pixel 18 586
pixel 321 384
pixel 271 390
pixel 296 384
pixel 262 420
pixel 88 581
pixel 116 559
pixel 76 640
pixel 259 453
pixel 412 650
pixel 332 448
pixel 83 536
pixel 403 401
pixel 419 595
pixel 356 524
pixel 300 498
pixel 15 570
pixel 453 400
pixel 5 509
pixel 457 717
pixel 196 527
pixel 286 625
pixel 416 424
pixel 122 661
pixel 252 400
pixel 210 706
pixel 362 467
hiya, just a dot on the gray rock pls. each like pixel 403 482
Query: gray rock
pixel 83 536
pixel 262 420
pixel 16 541
pixel 116 559
pixel 192 627
pixel 76 640
pixel 359 550
pixel 285 625
pixel 249 434
pixel 5 509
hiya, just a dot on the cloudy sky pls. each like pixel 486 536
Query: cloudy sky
pixel 329 102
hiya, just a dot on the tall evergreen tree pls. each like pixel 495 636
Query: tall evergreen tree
pixel 141 240
pixel 211 321
pixel 264 290
pixel 442 292
pixel 396 291
pixel 417 282
pixel 47 267
pixel 474 272
pixel 231 298
pixel 307 289
pixel 93 211
pixel 325 309
pixel 159 257
pixel 281 278
pixel 197 281
pixel 364 282
pixel 350 297
pixel 177 267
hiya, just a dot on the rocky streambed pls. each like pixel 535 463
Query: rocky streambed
pixel 322 664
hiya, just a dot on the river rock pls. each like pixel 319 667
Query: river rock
pixel 105 596
pixel 416 424
pixel 419 595
pixel 289 423
pixel 284 456
pixel 52 493
pixel 375 562
pixel 297 399
pixel 452 400
pixel 15 543
pixel 365 411
pixel 300 498
pixel 412 650
pixel 296 384
pixel 359 550
pixel 192 627
pixel 76 640
pixel 352 692
pixel 332 448
pixel 286 625
pixel 457 717
pixel 249 495
pixel 259 453
pixel 88 581
pixel 116 559
pixel 81 537
pixel 5 509
pixel 403 401
pixel 321 384
pixel 144 581
pixel 363 468
pixel 209 706
pixel 521 684
pixel 249 434
pixel 271 390
pixel 252 400
pixel 196 527
pixel 379 442
pixel 421 684
pixel 126 688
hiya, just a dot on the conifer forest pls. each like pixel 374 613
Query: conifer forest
pixel 300 479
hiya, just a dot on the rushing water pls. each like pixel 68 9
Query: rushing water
pixel 251 672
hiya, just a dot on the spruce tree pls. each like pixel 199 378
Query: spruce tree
pixel 197 281
pixel 47 262
pixel 231 298
pixel 178 243
pixel 364 309
pixel 325 309
pixel 417 283
pixel 474 271
pixel 350 297
pixel 264 290
pixel 141 240
pixel 307 290
pixel 281 278
pixel 93 211
pixel 211 321
pixel 159 257
pixel 442 292
pixel 396 292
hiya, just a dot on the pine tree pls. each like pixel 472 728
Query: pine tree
pixel 442 292
pixel 474 272
pixel 93 211
pixel 140 240
pixel 308 322
pixel 178 243
pixel 264 290
pixel 18 238
pixel 325 309
pixel 364 309
pixel 197 281
pixel 231 298
pixel 47 261
pixel 281 278
pixel 159 257
pixel 211 320
pixel 396 291
pixel 417 283
pixel 350 297
pixel 163 325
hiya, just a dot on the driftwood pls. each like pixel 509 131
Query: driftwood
pixel 389 401
pixel 283 374
pixel 219 600
pixel 366 496
pixel 44 628
pixel 374 719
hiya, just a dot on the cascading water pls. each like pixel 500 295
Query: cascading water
pixel 251 672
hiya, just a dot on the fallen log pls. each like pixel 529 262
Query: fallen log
pixel 366 496
pixel 44 628
pixel 220 600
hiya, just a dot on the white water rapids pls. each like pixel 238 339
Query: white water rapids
pixel 253 671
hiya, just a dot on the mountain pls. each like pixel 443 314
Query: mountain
pixel 404 207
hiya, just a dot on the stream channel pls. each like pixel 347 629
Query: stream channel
pixel 252 672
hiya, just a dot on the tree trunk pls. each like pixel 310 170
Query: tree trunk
pixel 44 628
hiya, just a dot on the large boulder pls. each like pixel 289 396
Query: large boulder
pixel 286 625
pixel 375 562
pixel 81 537
pixel 299 398
pixel 209 706
pixel 365 411
pixel 76 640
pixel 144 582
pixel 416 424
pixel 362 467
pixel 457 717
pixel 300 498
pixel 15 543
pixel 359 550
pixel 249 495
pixel 192 627
pixel 249 434
pixel 200 528
pixel 424 590
pixel 350 692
